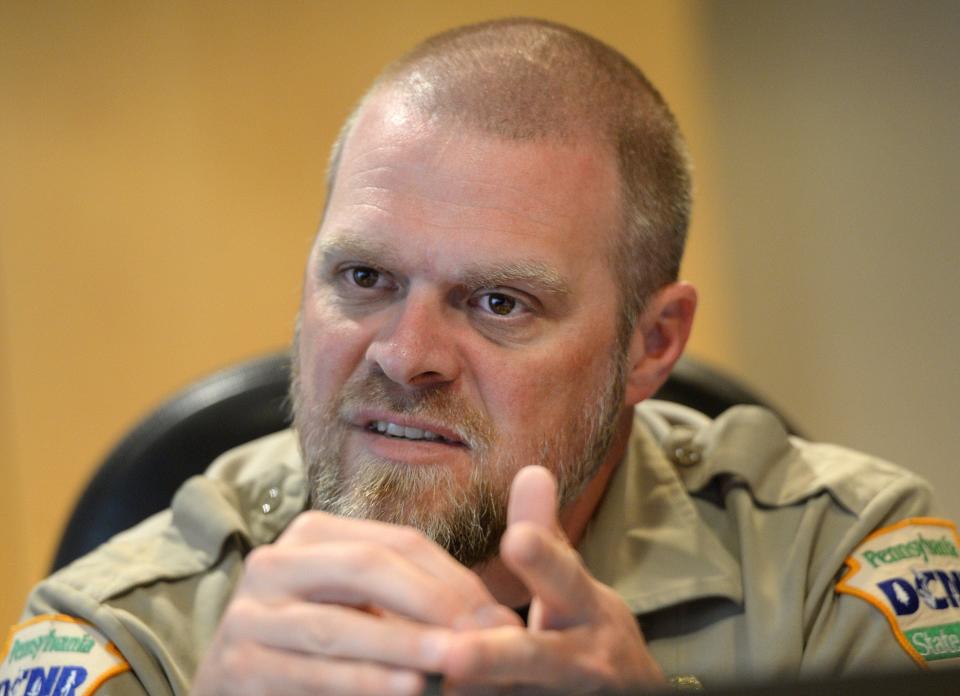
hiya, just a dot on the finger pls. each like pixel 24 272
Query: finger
pixel 254 669
pixel 533 497
pixel 313 527
pixel 334 631
pixel 554 574
pixel 362 573
pixel 579 660
pixel 514 656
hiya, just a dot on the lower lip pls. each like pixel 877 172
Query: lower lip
pixel 418 451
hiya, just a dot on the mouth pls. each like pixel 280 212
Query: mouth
pixel 398 431
pixel 425 432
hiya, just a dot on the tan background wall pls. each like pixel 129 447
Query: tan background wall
pixel 161 172
pixel 162 177
pixel 834 165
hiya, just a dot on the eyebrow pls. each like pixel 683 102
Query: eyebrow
pixel 349 244
pixel 534 274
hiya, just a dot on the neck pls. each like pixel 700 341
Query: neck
pixel 574 518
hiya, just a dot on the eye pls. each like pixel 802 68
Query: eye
pixel 364 277
pixel 357 285
pixel 499 303
pixel 364 281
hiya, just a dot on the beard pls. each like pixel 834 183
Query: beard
pixel 467 518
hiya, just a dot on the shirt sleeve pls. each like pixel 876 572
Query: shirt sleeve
pixel 849 634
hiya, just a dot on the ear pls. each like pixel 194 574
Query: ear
pixel 658 339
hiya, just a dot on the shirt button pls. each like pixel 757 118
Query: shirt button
pixel 271 500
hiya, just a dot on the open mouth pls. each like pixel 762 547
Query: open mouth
pixel 406 432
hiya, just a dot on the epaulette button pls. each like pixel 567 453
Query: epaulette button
pixel 686 456
pixel 270 501
pixel 680 448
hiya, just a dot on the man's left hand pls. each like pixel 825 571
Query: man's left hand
pixel 580 637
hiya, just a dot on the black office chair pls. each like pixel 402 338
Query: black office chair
pixel 241 403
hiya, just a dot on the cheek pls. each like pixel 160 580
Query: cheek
pixel 540 392
pixel 331 348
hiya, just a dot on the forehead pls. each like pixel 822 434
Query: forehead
pixel 403 173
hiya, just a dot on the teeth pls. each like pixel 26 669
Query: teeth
pixel 388 428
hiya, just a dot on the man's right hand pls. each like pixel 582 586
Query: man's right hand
pixel 344 606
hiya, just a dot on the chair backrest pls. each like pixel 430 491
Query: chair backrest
pixel 241 403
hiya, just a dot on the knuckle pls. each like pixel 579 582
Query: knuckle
pixel 261 561
pixel 600 673
pixel 239 617
pixel 240 660
pixel 318 637
pixel 593 668
pixel 251 672
pixel 304 526
pixel 350 557
pixel 612 605
pixel 462 658
pixel 595 595
pixel 372 681
pixel 362 556
pixel 354 678
pixel 408 540
pixel 261 568
pixel 607 594
pixel 475 654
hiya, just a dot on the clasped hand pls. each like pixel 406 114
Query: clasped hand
pixel 344 606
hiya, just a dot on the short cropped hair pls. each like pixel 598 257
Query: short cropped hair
pixel 527 79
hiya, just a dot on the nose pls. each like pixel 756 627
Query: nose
pixel 417 347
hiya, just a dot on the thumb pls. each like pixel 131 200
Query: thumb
pixel 533 498
pixel 536 550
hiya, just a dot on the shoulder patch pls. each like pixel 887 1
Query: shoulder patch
pixel 57 655
pixel 910 571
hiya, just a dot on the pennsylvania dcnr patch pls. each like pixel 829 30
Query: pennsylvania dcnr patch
pixel 57 655
pixel 910 571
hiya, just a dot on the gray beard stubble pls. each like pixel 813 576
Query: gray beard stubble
pixel 467 521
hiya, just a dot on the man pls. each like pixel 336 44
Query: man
pixel 492 291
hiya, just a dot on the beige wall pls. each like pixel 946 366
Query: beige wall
pixel 834 161
pixel 161 170
pixel 162 175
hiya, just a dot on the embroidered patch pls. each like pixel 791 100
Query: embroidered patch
pixel 57 655
pixel 910 571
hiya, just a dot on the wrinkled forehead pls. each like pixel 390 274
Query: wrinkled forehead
pixel 414 104
pixel 546 179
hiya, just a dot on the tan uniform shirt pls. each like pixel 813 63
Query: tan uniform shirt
pixel 724 537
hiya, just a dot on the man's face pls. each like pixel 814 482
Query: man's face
pixel 458 323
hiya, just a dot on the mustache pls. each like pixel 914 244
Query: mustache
pixel 437 403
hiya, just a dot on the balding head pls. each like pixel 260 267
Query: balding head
pixel 524 79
